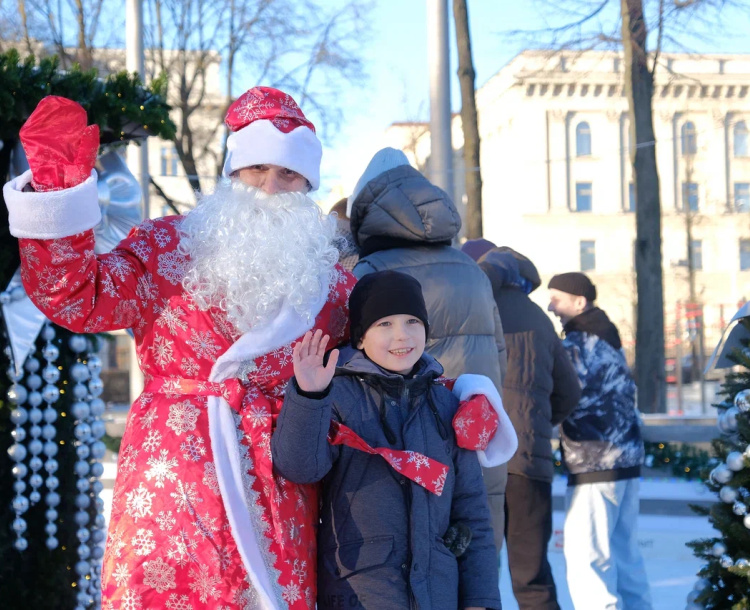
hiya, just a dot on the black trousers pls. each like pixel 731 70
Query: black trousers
pixel 528 528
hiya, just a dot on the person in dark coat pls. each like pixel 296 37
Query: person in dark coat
pixel 401 221
pixel 540 389
pixel 383 539
pixel 603 453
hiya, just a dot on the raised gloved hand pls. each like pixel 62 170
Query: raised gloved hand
pixel 60 147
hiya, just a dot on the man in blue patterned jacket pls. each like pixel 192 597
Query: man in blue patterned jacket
pixel 603 452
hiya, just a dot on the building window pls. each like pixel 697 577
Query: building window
pixel 588 255
pixel 631 197
pixel 583 139
pixel 689 139
pixel 696 246
pixel 742 196
pixel 169 161
pixel 745 255
pixel 583 196
pixel 740 139
pixel 690 196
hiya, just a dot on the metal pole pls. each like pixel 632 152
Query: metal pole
pixel 134 62
pixel 441 156
pixel 678 360
pixel 137 156
pixel 701 365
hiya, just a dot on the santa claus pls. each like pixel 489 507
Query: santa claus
pixel 215 299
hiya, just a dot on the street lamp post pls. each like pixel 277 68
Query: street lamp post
pixel 137 156
pixel 441 154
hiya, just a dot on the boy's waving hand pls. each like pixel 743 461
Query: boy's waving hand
pixel 307 357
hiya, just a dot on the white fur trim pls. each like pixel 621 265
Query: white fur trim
pixel 223 434
pixel 284 328
pixel 260 142
pixel 53 214
pixel 503 445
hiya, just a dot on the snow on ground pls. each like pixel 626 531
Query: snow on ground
pixel 671 566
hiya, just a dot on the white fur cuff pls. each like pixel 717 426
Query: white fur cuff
pixel 503 445
pixel 53 214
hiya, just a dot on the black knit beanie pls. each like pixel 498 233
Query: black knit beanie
pixel 574 283
pixel 381 294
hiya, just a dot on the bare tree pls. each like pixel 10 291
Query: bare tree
pixel 43 25
pixel 414 132
pixel 690 211
pixel 624 24
pixel 183 34
pixel 24 26
pixel 469 122
pixel 295 45
pixel 649 336
pixel 87 14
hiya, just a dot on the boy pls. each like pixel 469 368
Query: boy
pixel 394 478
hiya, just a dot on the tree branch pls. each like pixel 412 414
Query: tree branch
pixel 168 200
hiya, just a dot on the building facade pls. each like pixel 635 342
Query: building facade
pixel 558 183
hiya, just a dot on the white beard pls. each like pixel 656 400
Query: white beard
pixel 250 252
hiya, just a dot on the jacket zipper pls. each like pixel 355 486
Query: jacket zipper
pixel 413 603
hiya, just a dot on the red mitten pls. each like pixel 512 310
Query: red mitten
pixel 475 423
pixel 60 148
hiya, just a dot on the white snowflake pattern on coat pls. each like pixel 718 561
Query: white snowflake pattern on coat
pixel 169 519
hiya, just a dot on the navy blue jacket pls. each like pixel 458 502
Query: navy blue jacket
pixel 601 439
pixel 380 543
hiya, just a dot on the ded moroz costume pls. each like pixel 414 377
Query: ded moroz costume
pixel 199 518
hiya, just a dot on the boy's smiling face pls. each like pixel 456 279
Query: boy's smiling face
pixel 395 342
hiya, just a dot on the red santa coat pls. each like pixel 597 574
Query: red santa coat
pixel 199 518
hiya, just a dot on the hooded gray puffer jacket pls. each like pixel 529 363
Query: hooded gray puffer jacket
pixel 380 543
pixel 540 388
pixel 402 222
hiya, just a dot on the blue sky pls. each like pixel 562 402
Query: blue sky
pixel 396 58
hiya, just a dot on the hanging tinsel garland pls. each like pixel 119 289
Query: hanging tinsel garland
pixel 50 410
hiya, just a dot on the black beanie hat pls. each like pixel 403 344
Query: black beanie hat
pixel 574 283
pixel 381 294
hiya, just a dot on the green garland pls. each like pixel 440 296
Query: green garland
pixel 683 461
pixel 120 104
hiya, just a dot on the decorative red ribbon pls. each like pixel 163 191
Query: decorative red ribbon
pixel 230 390
pixel 424 471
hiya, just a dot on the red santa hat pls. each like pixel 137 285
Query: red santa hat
pixel 268 127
